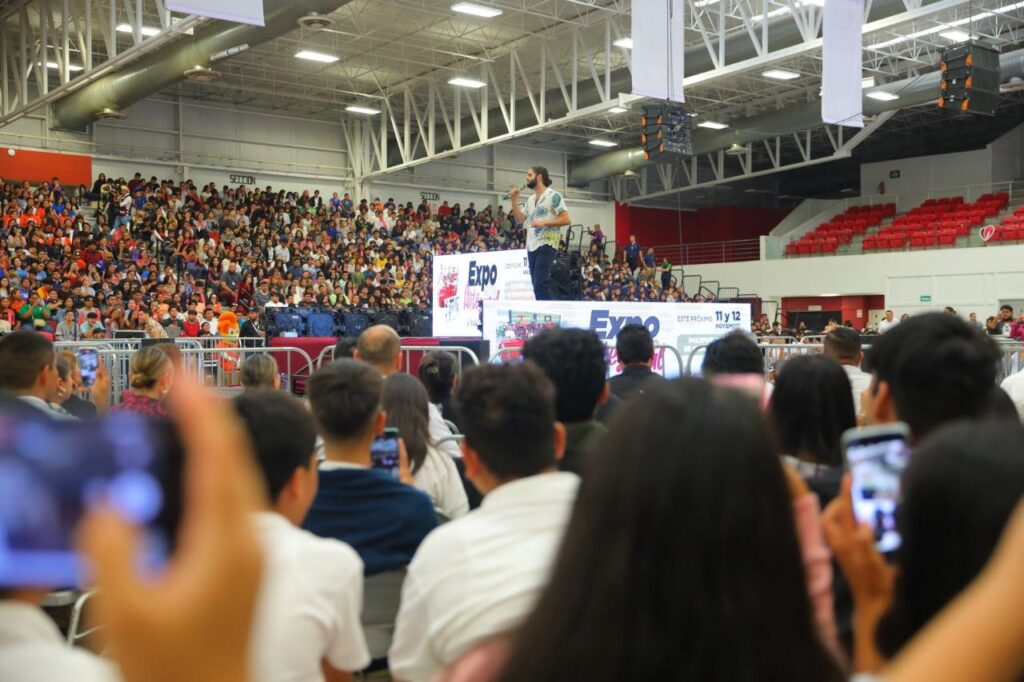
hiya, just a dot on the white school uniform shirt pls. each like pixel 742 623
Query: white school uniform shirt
pixel 439 430
pixel 309 606
pixel 439 478
pixel 859 380
pixel 480 575
pixel 33 650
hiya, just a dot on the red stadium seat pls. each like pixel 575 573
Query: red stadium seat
pixel 947 237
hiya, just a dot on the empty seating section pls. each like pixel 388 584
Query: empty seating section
pixel 935 223
pixel 828 237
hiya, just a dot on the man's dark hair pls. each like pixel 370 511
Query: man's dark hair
pixel 345 398
pixel 634 344
pixel 938 369
pixel 573 359
pixel 842 343
pixel 508 417
pixel 282 432
pixel 542 173
pixel 23 355
pixel 734 353
pixel 345 347
pixel 1006 306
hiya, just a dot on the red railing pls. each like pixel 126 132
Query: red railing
pixel 710 252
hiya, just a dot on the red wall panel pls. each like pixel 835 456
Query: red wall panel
pixel 72 169
pixel 661 227
pixel 849 306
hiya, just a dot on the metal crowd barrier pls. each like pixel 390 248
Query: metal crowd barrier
pixel 327 355
pixel 674 351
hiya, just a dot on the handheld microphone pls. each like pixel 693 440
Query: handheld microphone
pixel 521 188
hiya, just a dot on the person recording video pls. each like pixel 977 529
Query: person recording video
pixel 542 216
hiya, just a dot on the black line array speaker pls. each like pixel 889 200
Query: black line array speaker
pixel 970 79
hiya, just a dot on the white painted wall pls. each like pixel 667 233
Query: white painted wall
pixel 969 279
pixel 1008 156
pixel 923 174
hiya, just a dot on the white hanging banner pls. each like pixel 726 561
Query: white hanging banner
pixel 841 57
pixel 239 11
pixel 657 54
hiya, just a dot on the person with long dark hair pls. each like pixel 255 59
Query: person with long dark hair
pixel 682 560
pixel 405 401
pixel 438 371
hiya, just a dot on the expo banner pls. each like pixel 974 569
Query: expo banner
pixel 463 281
pixel 683 326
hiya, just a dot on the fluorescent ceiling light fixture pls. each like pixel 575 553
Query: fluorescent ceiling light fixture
pixel 868 82
pixel 956 35
pixel 816 3
pixel 952 24
pixel 780 74
pixel 618 110
pixel 714 125
pixel 883 96
pixel 466 82
pixel 71 67
pixel 316 56
pixel 146 30
pixel 624 42
pixel 476 10
pixel 705 3
pixel 356 109
pixel 604 143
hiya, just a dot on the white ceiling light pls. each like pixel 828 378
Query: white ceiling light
pixel 624 42
pixel 780 74
pixel 71 67
pixel 956 35
pixel 883 96
pixel 466 82
pixel 316 56
pixel 868 82
pixel 714 125
pixel 476 10
pixel 356 109
pixel 704 3
pixel 146 30
pixel 618 110
pixel 816 3
pixel 604 143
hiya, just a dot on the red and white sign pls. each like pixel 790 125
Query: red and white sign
pixel 987 232
pixel 462 282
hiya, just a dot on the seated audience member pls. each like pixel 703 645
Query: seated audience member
pixel 843 344
pixel 74 403
pixel 928 371
pixel 573 359
pixel 308 612
pixel 960 490
pixel 345 348
pixel 479 576
pixel 439 372
pixel 682 560
pixel 28 369
pixel 260 371
pixel 151 376
pixel 810 409
pixel 635 350
pixel 433 472
pixel 380 347
pixel 382 518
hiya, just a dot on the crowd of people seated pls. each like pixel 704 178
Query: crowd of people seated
pixel 632 528
pixel 168 258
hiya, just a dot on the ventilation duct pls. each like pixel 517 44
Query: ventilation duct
pixel 188 55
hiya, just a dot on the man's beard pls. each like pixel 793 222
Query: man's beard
pixel 531 184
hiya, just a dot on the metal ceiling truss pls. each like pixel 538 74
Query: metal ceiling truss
pixel 49 48
pixel 765 157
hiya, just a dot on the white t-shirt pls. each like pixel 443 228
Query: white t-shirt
pixel 886 325
pixel 439 431
pixel 33 650
pixel 548 206
pixel 309 607
pixel 439 478
pixel 859 380
pixel 480 575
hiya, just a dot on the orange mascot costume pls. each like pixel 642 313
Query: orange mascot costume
pixel 227 330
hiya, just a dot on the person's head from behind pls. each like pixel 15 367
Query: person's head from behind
pixel 734 353
pixel 843 344
pixel 406 403
pixel 811 407
pixel 508 418
pixel 28 365
pixel 345 347
pixel 573 359
pixel 438 371
pixel 961 486
pixel 928 371
pixel 668 498
pixel 283 438
pixel 260 371
pixel 345 398
pixel 634 345
pixel 151 372
pixel 380 347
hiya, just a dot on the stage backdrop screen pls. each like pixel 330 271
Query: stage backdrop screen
pixel 682 326
pixel 463 281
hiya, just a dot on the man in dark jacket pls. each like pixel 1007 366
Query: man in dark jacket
pixel 635 348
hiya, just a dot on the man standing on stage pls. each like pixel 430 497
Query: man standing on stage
pixel 543 217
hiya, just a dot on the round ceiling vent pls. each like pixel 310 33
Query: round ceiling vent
pixel 315 21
